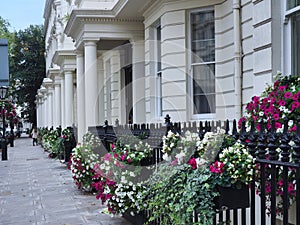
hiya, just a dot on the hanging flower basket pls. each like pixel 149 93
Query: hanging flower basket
pixel 9 111
pixel 232 198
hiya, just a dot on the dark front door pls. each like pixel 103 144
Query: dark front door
pixel 128 94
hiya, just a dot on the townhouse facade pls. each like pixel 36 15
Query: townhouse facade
pixel 136 61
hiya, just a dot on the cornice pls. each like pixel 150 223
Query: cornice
pixel 61 56
pixel 79 17
pixel 47 13
pixel 160 7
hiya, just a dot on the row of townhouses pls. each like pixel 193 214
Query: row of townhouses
pixel 138 60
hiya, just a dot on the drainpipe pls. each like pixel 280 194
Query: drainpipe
pixel 237 58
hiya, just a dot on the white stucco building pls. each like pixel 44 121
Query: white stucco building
pixel 138 60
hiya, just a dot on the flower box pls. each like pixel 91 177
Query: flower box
pixel 137 219
pixel 232 198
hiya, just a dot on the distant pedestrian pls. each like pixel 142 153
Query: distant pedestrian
pixel 34 135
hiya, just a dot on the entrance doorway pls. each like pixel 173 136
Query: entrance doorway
pixel 128 94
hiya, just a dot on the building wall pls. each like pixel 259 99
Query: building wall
pixel 260 56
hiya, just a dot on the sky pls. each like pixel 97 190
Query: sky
pixel 22 13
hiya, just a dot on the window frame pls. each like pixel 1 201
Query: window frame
pixel 288 36
pixel 197 116
pixel 158 71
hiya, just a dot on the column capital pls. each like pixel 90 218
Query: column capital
pixel 90 43
pixel 79 53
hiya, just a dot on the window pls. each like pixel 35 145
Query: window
pixel 292 3
pixel 202 32
pixel 158 73
pixel 295 43
pixel 292 15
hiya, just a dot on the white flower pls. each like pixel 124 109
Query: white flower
pixel 131 174
pixel 166 157
pixel 180 156
pixel 200 162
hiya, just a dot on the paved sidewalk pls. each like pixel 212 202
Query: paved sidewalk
pixel 36 190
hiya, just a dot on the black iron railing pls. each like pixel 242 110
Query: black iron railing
pixel 274 152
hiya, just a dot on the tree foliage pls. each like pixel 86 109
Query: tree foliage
pixel 27 68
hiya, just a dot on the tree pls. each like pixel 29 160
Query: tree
pixel 4 32
pixel 27 68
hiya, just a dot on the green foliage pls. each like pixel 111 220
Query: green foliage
pixel 4 32
pixel 27 68
pixel 58 148
pixel 173 193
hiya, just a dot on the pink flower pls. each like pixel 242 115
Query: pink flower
pixel 288 95
pixel 282 88
pixel 282 103
pixel 174 162
pixel 255 99
pixel 276 116
pixel 265 100
pixel 295 105
pixel 273 100
pixel 129 160
pixel 123 157
pixel 278 125
pixel 295 97
pixel 280 182
pixel 268 188
pixel 217 167
pixel 107 196
pixel 107 157
pixel 294 128
pixel 193 163
pixel 291 188
pixel 112 146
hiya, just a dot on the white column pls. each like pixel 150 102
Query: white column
pixel 40 113
pixel 57 104
pixel 63 123
pixel 50 107
pixel 138 82
pixel 101 110
pixel 37 103
pixel 80 96
pixel 91 87
pixel 45 110
pixel 69 98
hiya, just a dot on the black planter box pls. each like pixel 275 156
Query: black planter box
pixel 232 198
pixel 137 219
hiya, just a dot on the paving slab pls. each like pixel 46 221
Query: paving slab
pixel 37 190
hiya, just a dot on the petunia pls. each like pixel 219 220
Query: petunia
pixel 295 105
pixel 255 98
pixel 276 116
pixel 295 97
pixel 282 88
pixel 282 103
pixel 288 94
pixel 278 125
